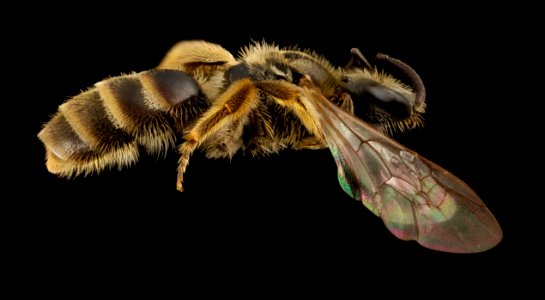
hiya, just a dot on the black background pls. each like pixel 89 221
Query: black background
pixel 285 214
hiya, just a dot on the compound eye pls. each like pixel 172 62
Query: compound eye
pixel 370 93
pixel 392 102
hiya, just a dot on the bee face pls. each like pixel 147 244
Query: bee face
pixel 269 99
pixel 380 99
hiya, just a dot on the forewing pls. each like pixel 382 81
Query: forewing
pixel 416 199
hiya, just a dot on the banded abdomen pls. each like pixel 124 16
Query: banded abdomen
pixel 104 126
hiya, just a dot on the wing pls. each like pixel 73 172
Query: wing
pixel 416 199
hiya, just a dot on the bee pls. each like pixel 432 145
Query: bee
pixel 266 100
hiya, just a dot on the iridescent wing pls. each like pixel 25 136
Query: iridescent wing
pixel 416 199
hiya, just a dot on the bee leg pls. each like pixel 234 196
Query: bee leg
pixel 289 95
pixel 235 104
pixel 185 151
pixel 312 143
pixel 345 103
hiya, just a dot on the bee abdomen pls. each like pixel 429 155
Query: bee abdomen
pixel 67 153
pixel 88 118
pixel 104 126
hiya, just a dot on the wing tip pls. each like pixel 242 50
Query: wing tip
pixel 451 240
pixel 469 245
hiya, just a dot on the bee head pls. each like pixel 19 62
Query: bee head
pixel 381 99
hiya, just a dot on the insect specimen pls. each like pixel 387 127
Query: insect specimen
pixel 266 100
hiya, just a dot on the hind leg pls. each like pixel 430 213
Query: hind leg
pixel 235 104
